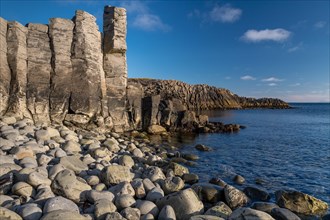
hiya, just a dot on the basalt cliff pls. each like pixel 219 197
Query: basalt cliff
pixel 68 72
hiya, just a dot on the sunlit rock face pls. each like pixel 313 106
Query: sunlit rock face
pixel 114 63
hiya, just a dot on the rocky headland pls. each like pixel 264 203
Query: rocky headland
pixel 65 102
pixel 68 72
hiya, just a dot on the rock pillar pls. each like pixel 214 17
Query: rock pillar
pixel 17 60
pixel 61 35
pixel 88 88
pixel 114 64
pixel 5 74
pixel 39 70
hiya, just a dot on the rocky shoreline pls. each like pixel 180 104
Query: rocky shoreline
pixel 52 172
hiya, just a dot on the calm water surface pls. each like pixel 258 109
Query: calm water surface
pixel 287 149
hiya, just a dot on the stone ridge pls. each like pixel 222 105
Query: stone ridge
pixel 202 96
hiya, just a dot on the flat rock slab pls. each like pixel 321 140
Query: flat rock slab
pixel 115 174
pixel 73 163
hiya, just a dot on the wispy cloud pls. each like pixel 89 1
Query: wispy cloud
pixel 222 14
pixel 150 22
pixel 225 14
pixel 277 35
pixel 143 18
pixel 248 77
pixel 320 24
pixel 135 7
pixel 272 84
pixel 295 48
pixel 227 77
pixel 272 79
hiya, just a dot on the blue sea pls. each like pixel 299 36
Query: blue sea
pixel 284 148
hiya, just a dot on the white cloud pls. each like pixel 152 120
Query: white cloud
pixel 227 77
pixel 143 18
pixel 248 77
pixel 295 84
pixel 221 14
pixel 272 79
pixel 225 14
pixel 135 6
pixel 150 22
pixel 293 49
pixel 320 24
pixel 272 84
pixel 278 35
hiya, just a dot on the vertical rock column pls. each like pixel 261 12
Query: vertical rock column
pixel 61 35
pixel 17 60
pixel 88 88
pixel 5 74
pixel 114 63
pixel 39 69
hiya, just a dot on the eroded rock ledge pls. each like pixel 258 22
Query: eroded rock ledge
pixel 175 105
pixel 68 72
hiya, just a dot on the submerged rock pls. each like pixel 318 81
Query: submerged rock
pixel 256 193
pixel 202 147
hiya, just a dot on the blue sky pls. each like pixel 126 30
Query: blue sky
pixel 254 48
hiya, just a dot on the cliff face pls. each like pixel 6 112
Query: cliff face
pixel 68 72
pixel 202 97
pixel 64 73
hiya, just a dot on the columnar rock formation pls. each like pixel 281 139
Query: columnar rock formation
pixel 4 68
pixel 65 72
pixel 114 63
pixel 55 73
pixel 86 94
pixel 17 60
pixel 61 35
pixel 39 70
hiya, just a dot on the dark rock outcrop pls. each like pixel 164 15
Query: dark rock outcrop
pixel 201 96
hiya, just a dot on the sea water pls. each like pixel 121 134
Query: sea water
pixel 280 148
